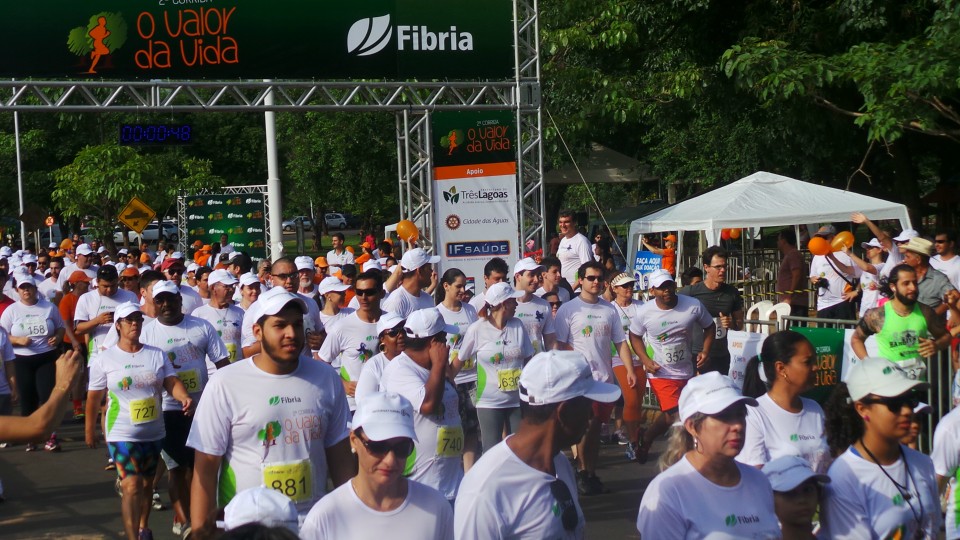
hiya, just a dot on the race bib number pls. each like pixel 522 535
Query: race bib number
pixel 232 350
pixel 294 479
pixel 721 331
pixel 35 326
pixel 508 379
pixel 449 441
pixel 915 369
pixel 190 379
pixel 675 354
pixel 143 411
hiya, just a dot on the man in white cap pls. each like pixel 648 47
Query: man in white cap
pixel 84 261
pixel 225 317
pixel 94 312
pixel 305 270
pixel 591 326
pixel 829 275
pixel 534 312
pixel 379 501
pixel 524 487
pixel 353 339
pixel 667 325
pixel 173 269
pixel 418 274
pixel 420 375
pixel 188 342
pixel 277 419
pixel 932 284
pixel 331 292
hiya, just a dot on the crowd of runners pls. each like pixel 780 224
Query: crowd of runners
pixel 361 394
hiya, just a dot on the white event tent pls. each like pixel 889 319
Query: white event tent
pixel 762 200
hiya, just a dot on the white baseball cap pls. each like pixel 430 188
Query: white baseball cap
pixel 165 286
pixel 260 505
pixel 5 251
pixel 372 264
pixel 880 377
pixel 28 258
pixel 221 276
pixel 923 408
pixel 84 249
pixel 427 322
pixel 905 235
pixel 232 255
pixel 248 279
pixel 873 243
pixel 526 264
pixel 417 257
pixel 384 415
pixel 787 472
pixel 192 267
pixel 24 279
pixel 657 278
pixel 499 293
pixel 102 249
pixel 176 255
pixel 710 393
pixel 125 309
pixel 53 245
pixel 388 321
pixel 122 251
pixel 558 376
pixel 303 263
pixel 274 303
pixel 331 284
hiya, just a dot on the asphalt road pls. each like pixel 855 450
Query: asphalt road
pixel 68 495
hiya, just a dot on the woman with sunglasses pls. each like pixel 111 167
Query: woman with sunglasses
pixel 499 346
pixel 879 488
pixel 133 377
pixel 390 334
pixel 379 502
pixel 630 411
pixel 784 423
pixel 455 310
pixel 707 492
pixel 553 299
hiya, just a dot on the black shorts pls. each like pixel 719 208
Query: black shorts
pixel 467 394
pixel 178 425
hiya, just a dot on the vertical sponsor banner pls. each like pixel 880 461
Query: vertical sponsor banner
pixel 241 217
pixel 475 190
pixel 645 263
pixel 828 345
pixel 742 346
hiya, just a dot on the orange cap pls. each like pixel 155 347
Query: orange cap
pixel 206 247
pixel 671 238
pixel 321 262
pixel 129 272
pixel 144 258
pixel 66 244
pixel 79 275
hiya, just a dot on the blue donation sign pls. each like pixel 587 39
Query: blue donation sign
pixel 645 263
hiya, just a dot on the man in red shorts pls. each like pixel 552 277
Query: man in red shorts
pixel 667 324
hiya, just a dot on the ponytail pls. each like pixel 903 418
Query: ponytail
pixel 761 370
pixel 756 377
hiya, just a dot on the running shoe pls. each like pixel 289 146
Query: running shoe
pixel 179 528
pixel 596 485
pixel 157 503
pixel 631 452
pixel 52 445
pixel 31 447
pixel 4 444
pixel 78 414
pixel 145 534
pixel 111 466
pixel 584 484
pixel 622 438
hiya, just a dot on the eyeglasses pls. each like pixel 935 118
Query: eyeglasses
pixel 287 276
pixel 367 292
pixel 593 278
pixel 393 332
pixel 558 303
pixel 895 403
pixel 565 504
pixel 718 267
pixel 380 449
pixel 133 319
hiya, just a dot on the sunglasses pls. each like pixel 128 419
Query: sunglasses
pixel 174 271
pixel 393 332
pixel 568 510
pixel 592 278
pixel 287 277
pixel 380 449
pixel 367 292
pixel 939 241
pixel 558 303
pixel 895 403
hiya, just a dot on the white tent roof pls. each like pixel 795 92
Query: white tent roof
pixel 765 200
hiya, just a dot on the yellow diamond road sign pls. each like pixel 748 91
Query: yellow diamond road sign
pixel 137 215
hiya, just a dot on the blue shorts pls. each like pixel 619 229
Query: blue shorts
pixel 139 458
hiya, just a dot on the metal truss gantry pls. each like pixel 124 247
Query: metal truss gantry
pixel 412 101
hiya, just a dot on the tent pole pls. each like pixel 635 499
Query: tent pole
pixel 679 248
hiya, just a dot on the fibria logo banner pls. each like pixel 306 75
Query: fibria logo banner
pixel 280 39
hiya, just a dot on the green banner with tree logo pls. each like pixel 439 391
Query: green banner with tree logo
pixel 241 217
pixel 828 346
pixel 280 39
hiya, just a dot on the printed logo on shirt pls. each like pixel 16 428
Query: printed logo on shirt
pixel 363 354
pixel 125 383
pixel 907 338
pixel 897 500
pixel 496 358
pixel 539 316
pixel 587 331
pixel 797 437
pixel 269 433
pixel 276 400
pixel 733 520
pixel 589 316
pixel 662 337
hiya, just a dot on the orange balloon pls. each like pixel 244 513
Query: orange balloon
pixel 841 240
pixel 818 246
pixel 735 233
pixel 725 234
pixel 406 230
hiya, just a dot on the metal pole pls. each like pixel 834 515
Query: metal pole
pixel 16 134
pixel 275 207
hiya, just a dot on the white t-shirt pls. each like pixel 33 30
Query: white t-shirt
pixel 562 294
pixel 499 357
pixel 461 319
pixel 773 432
pixel 681 503
pixel 191 299
pixel 627 314
pixel 503 497
pixel 272 430
pixel 90 306
pixel 951 268
pixel 589 329
pixel 871 289
pixel 370 377
pixel 328 320
pixel 134 382
pixel 6 356
pixel 423 515
pixel 339 259
pixel 353 342
pixel 861 502
pixel 572 253
pixel 436 458
pixel 821 267
pixel 894 257
pixel 48 288
pixel 70 268
pixel 669 333
pixel 403 303
pixel 39 322
pixel 187 347
pixel 537 319
pixel 227 323
pixel 946 463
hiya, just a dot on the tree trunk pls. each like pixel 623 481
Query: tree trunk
pixel 905 182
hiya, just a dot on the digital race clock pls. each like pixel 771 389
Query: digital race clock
pixel 155 134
